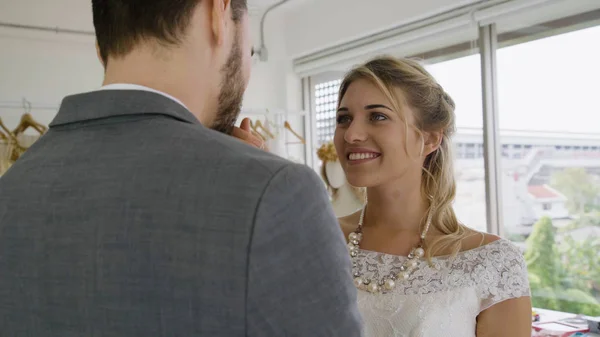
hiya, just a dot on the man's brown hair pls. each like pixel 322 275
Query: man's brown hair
pixel 121 24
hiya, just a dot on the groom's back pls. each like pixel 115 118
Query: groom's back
pixel 148 224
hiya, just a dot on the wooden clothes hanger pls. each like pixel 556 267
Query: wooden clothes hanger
pixel 287 125
pixel 5 133
pixel 259 124
pixel 7 136
pixel 13 149
pixel 255 131
pixel 27 122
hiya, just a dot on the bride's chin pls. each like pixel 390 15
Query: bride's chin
pixel 362 181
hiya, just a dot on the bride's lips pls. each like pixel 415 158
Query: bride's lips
pixel 359 156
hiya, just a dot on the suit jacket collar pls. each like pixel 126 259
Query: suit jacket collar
pixel 109 103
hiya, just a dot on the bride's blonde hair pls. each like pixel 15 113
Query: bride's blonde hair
pixel 434 111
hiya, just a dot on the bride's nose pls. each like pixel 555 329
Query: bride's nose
pixel 356 133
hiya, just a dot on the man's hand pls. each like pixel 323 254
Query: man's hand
pixel 245 134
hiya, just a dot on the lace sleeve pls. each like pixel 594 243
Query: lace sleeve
pixel 502 275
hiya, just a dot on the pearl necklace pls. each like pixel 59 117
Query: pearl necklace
pixel 386 283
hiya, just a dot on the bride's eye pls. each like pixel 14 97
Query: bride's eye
pixel 341 119
pixel 376 116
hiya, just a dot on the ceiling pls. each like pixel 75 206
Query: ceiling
pixel 261 3
pixel 257 7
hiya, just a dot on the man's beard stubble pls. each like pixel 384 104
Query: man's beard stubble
pixel 231 93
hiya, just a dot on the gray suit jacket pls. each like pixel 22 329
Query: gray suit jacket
pixel 129 218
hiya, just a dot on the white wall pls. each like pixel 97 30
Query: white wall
pixel 268 87
pixel 43 68
pixel 48 13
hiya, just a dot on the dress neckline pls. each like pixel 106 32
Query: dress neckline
pixel 440 257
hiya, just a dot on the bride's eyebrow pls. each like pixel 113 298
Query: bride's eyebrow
pixel 367 107
pixel 377 106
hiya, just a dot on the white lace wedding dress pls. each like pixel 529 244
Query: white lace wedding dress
pixel 445 299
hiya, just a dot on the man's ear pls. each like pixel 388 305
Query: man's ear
pixel 433 141
pixel 220 13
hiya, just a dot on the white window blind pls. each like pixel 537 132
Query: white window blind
pixel 326 96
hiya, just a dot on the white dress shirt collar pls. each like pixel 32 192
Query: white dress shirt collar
pixel 127 86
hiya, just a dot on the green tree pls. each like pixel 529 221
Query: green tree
pixel 542 296
pixel 579 187
pixel 543 264
pixel 582 263
pixel 564 278
pixel 541 255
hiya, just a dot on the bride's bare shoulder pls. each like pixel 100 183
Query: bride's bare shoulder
pixel 349 223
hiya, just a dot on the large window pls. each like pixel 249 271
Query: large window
pixel 461 79
pixel 550 140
